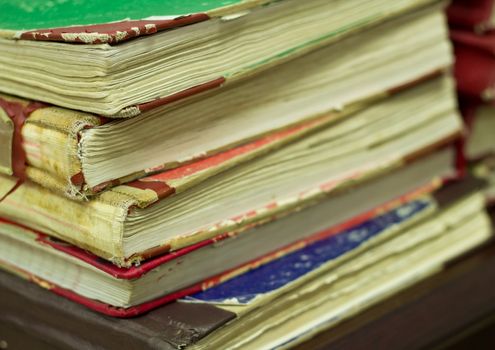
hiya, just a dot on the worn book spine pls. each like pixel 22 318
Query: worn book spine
pixel 49 148
pixel 106 213
pixel 48 144
pixel 95 225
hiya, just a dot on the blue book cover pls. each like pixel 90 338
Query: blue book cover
pixel 268 278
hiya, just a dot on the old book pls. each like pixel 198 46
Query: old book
pixel 25 307
pixel 393 200
pixel 480 142
pixel 183 206
pixel 315 291
pixel 479 146
pixel 475 50
pixel 80 154
pixel 477 15
pixel 315 287
pixel 193 46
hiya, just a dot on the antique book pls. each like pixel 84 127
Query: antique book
pixel 480 142
pixel 193 46
pixel 183 206
pixel 82 277
pixel 478 51
pixel 81 154
pixel 330 278
pixel 479 146
pixel 320 288
pixel 477 15
pixel 25 307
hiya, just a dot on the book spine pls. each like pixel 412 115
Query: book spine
pixel 97 226
pixel 43 144
pixel 51 156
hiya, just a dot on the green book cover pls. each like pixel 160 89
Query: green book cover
pixel 97 21
pixel 38 14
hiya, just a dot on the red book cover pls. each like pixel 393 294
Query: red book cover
pixel 475 65
pixel 472 14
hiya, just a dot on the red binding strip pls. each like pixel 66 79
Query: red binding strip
pixel 111 33
pixel 192 91
pixel 18 113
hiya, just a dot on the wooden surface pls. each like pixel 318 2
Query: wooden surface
pixel 451 310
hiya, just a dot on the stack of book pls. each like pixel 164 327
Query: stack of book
pixel 473 34
pixel 288 163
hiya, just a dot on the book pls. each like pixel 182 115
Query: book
pixel 325 289
pixel 329 293
pixel 80 276
pixel 470 49
pixel 177 208
pixel 480 142
pixel 476 88
pixel 80 154
pixel 192 47
pixel 475 15
pixel 479 146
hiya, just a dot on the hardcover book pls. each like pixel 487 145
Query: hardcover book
pixel 479 146
pixel 180 207
pixel 178 47
pixel 334 273
pixel 81 154
pixel 79 276
pixel 322 293
pixel 25 306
